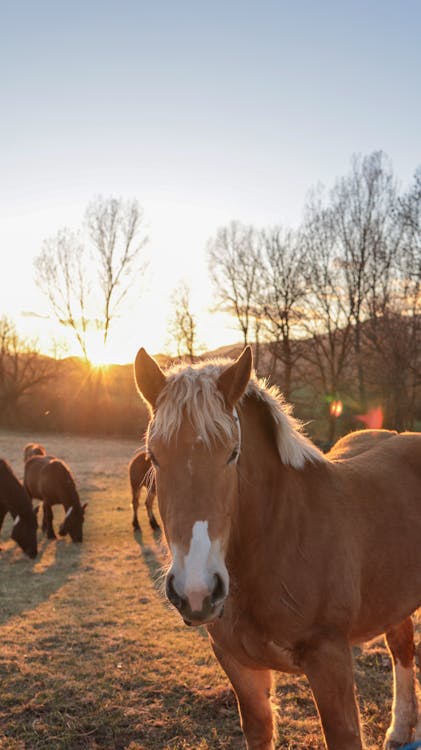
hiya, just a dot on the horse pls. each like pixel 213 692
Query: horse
pixel 50 479
pixel 141 475
pixel 287 556
pixel 15 500
pixel 358 442
pixel 33 449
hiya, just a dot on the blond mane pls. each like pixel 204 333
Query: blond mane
pixel 192 392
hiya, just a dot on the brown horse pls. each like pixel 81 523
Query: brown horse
pixel 287 556
pixel 358 442
pixel 141 475
pixel 33 449
pixel 15 500
pixel 50 480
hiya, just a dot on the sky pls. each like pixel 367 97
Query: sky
pixel 203 112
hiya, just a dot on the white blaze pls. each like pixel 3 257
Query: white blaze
pixel 194 576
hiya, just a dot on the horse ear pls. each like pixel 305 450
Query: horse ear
pixel 233 381
pixel 84 506
pixel 149 377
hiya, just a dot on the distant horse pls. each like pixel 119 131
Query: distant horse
pixel 33 449
pixel 15 500
pixel 141 474
pixel 287 556
pixel 50 480
pixel 358 442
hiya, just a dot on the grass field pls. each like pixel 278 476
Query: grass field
pixel 92 656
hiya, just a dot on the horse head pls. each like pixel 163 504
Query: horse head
pixel 194 443
pixel 73 522
pixel 24 532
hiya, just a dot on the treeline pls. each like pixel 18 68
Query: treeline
pixel 332 308
pixel 73 397
pixel 336 301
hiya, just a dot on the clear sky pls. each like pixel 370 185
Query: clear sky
pixel 205 112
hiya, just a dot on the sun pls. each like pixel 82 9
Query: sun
pixel 100 355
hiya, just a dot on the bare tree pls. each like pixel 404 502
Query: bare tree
pixel 182 325
pixel 326 314
pixel 362 205
pixel 279 298
pixel 77 283
pixel 61 273
pixel 22 369
pixel 234 257
pixel 115 229
pixel 395 334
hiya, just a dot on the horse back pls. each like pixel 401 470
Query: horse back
pixel 50 479
pixel 358 442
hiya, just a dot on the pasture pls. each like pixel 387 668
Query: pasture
pixel 92 656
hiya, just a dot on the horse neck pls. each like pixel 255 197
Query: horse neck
pixel 72 499
pixel 271 499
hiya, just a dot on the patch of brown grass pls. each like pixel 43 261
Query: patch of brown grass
pixel 93 658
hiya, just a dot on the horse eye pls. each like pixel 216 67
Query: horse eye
pixel 234 455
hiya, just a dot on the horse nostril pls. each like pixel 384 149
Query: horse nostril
pixel 171 593
pixel 218 593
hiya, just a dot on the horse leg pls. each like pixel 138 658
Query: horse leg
pixel 150 497
pixel 252 688
pixel 400 641
pixel 47 521
pixel 3 512
pixel 135 506
pixel 329 670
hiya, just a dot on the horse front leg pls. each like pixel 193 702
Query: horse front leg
pixel 47 521
pixel 400 641
pixel 329 670
pixel 135 506
pixel 150 497
pixel 252 688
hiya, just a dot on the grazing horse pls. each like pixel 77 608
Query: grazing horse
pixel 15 500
pixel 141 475
pixel 286 555
pixel 50 480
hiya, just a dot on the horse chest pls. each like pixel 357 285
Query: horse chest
pixel 252 646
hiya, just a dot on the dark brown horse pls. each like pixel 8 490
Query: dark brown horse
pixel 286 555
pixel 50 480
pixel 141 474
pixel 15 500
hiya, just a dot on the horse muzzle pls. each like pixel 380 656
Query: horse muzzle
pixel 211 604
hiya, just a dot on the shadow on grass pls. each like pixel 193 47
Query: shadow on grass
pixel 155 560
pixel 155 718
pixel 25 583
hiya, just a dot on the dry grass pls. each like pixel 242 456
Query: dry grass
pixel 91 655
